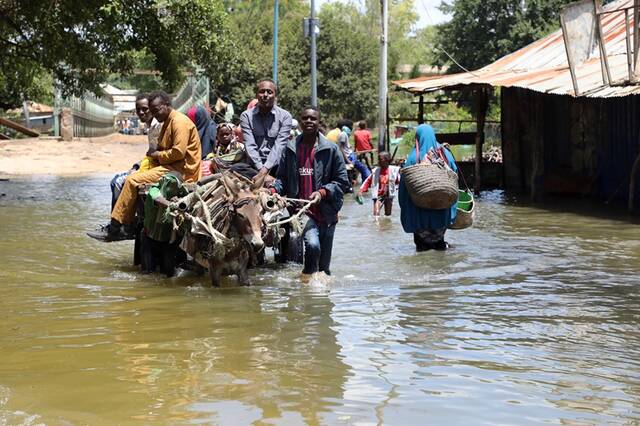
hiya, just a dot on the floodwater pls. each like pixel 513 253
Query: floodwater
pixel 531 317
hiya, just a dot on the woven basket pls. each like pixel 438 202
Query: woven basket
pixel 465 212
pixel 431 186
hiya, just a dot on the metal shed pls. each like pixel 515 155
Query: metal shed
pixel 553 141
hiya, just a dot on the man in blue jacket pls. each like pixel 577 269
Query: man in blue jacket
pixel 312 168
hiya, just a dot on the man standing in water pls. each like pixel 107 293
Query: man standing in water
pixel 265 130
pixel 312 168
pixel 178 150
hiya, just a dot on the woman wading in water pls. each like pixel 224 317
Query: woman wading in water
pixel 427 225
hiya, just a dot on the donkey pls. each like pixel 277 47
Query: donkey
pixel 245 231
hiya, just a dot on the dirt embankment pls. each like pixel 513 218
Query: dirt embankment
pixel 84 156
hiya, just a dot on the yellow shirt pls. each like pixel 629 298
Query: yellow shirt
pixel 179 146
pixel 333 135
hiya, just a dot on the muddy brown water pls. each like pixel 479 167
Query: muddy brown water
pixel 532 317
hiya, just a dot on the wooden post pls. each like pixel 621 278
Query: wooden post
pixel 482 103
pixel 636 37
pixel 536 140
pixel 421 110
pixel 628 39
pixel 19 127
pixel 632 184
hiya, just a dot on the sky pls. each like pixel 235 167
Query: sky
pixel 426 9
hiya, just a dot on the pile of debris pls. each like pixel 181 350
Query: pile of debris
pixel 492 155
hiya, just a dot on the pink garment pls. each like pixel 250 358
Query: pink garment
pixel 206 168
pixel 252 104
pixel 192 114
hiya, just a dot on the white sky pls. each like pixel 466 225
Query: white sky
pixel 426 9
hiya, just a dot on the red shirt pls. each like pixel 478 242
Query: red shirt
pixel 383 183
pixel 306 154
pixel 362 139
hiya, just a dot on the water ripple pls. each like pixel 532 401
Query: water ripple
pixel 530 318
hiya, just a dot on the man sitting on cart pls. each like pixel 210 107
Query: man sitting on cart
pixel 178 150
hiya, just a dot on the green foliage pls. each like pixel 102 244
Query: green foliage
pixel 347 72
pixel 400 105
pixel 198 34
pixel 420 49
pixel 407 143
pixel 402 19
pixel 346 58
pixel 481 31
pixel 80 42
pixel 252 32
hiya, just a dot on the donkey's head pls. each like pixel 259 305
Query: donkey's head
pixel 247 210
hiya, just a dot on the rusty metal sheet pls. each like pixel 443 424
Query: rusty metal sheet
pixel 542 66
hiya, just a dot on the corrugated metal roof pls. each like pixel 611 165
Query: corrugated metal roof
pixel 542 66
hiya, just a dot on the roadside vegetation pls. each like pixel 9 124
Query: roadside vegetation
pixel 80 45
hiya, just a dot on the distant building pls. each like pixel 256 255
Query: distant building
pixel 40 116
pixel 123 100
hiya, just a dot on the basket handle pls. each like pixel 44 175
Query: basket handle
pixel 460 172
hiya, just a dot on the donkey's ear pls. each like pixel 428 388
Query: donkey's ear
pixel 230 185
pixel 258 183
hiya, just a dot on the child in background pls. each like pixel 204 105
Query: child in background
pixel 384 182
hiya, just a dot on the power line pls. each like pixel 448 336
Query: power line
pixel 437 47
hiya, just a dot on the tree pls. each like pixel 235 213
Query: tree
pixel 79 42
pixel 481 31
pixel 347 66
pixel 252 31
pixel 347 58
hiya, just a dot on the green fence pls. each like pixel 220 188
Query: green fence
pixel 92 115
pixel 194 91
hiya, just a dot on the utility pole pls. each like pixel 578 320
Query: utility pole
pixel 312 34
pixel 276 9
pixel 382 91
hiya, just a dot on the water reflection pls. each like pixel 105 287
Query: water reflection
pixel 530 318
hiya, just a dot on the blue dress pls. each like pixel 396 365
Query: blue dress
pixel 413 218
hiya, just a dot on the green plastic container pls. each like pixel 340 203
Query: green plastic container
pixel 465 200
pixel 466 211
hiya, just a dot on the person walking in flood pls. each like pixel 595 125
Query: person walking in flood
pixel 383 182
pixel 428 226
pixel 312 168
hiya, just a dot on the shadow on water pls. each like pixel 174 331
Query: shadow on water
pixel 531 317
